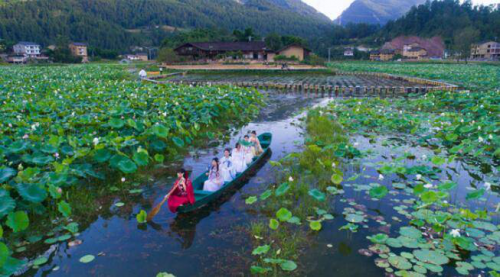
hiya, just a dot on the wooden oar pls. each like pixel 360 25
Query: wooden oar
pixel 157 208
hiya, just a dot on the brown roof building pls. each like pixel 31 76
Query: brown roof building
pixel 434 47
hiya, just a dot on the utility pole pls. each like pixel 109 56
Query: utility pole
pixel 329 54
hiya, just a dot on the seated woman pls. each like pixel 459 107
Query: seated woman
pixel 249 152
pixel 256 143
pixel 215 181
pixel 226 166
pixel 238 158
pixel 182 192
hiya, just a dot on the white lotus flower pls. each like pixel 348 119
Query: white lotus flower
pixel 487 186
pixel 96 141
pixel 490 136
pixel 290 179
pixel 123 179
pixel 25 136
pixel 480 140
pixel 381 177
pixel 424 157
pixel 455 233
pixel 334 165
pixel 479 128
pixel 419 176
pixel 10 125
pixel 428 186
pixel 56 155
pixel 462 121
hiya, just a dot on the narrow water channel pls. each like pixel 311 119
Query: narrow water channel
pixel 215 241
pixel 212 242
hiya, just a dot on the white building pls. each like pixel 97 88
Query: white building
pixel 27 49
pixel 349 52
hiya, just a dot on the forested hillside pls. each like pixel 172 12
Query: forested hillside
pixel 117 24
pixel 448 19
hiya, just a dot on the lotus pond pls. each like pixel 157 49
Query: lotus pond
pixel 354 187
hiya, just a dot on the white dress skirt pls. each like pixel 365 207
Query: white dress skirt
pixel 214 182
pixel 249 154
pixel 227 169
pixel 239 162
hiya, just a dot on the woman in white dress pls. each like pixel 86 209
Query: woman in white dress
pixel 238 158
pixel 226 166
pixel 249 150
pixel 215 181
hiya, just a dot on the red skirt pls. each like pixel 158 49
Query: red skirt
pixel 177 200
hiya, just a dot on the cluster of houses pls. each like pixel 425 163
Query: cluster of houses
pixel 256 51
pixel 25 51
pixel 487 51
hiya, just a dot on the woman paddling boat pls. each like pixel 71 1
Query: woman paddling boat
pixel 182 193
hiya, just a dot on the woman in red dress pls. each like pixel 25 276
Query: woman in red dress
pixel 182 193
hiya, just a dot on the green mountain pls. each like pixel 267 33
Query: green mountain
pixel 376 11
pixel 118 24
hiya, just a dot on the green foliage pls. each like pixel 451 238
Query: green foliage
pixel 18 221
pixel 141 217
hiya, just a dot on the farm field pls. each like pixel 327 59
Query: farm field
pixel 311 78
pixel 353 186
pixel 471 76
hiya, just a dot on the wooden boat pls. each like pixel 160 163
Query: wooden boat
pixel 206 197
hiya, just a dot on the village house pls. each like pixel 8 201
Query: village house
pixel 27 49
pixel 487 50
pixel 414 52
pixel 382 55
pixel 349 52
pixel 293 50
pixel 254 51
pixel 137 57
pixel 79 49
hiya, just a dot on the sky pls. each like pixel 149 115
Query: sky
pixel 333 8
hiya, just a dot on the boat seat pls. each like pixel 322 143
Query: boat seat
pixel 202 192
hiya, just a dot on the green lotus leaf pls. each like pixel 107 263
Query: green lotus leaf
pixel 6 174
pixel 318 195
pixel 102 155
pixel 12 266
pixel 439 161
pixel 273 224
pixel 48 149
pixel 261 250
pixel 410 232
pixel 337 179
pixel 7 205
pixel 159 158
pixel 40 261
pixel 294 220
pixel 116 123
pixel 485 226
pixel 1 231
pixel 41 160
pixel 18 147
pixel 141 158
pixel 164 274
pixel 259 270
pixel 64 208
pixel 394 243
pixel 475 194
pixel 400 262
pixel 355 218
pixel 4 254
pixel 160 130
pixel 266 194
pixel 72 227
pixel 67 150
pixel 87 259
pixel 250 200
pixel 451 137
pixel 282 189
pixel 178 141
pixel 127 166
pixel 283 214
pixel 158 145
pixel 378 192
pixel 378 238
pixel 431 256
pixel 447 186
pixel 429 197
pixel 34 193
pixel 18 221
pixel 141 216
pixel 288 265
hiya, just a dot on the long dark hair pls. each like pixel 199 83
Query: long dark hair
pixel 184 173
pixel 217 161
pixel 228 150
pixel 237 145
